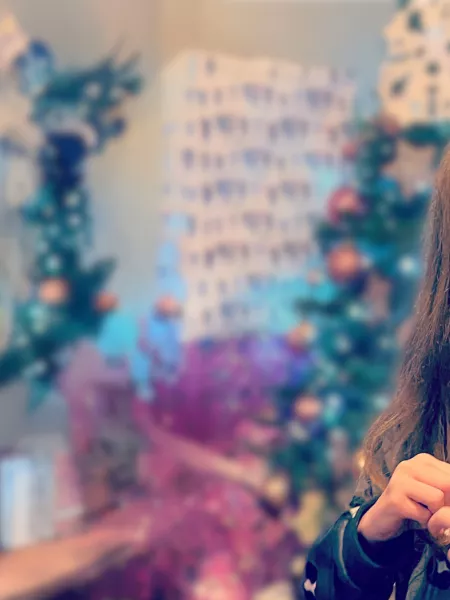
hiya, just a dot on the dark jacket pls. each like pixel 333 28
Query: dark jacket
pixel 343 566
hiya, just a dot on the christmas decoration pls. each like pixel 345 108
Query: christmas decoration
pixel 53 291
pixel 276 490
pixel 301 336
pixel 167 306
pixel 359 303
pixel 106 302
pixel 307 409
pixel 75 114
pixel 343 203
pixel 345 263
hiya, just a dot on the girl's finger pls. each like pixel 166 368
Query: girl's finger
pixel 434 475
pixel 428 496
pixel 415 512
pixel 439 522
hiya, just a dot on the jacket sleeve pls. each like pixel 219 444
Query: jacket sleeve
pixel 343 566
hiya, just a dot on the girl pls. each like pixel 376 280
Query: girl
pixel 395 538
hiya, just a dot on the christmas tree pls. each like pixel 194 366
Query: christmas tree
pixel 369 242
pixel 77 113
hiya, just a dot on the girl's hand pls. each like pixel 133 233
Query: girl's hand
pixel 418 489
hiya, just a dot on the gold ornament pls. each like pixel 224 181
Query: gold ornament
pixel 168 306
pixel 276 490
pixel 307 408
pixel 345 201
pixel 302 335
pixel 106 302
pixel 345 263
pixel 53 291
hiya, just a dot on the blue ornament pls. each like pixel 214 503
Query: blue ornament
pixel 34 68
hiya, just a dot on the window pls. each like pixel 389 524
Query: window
pixel 273 131
pixel 188 157
pixel 288 188
pixel 207 194
pixel 224 123
pixel 205 128
pixel 251 157
pixel 288 127
pixel 398 87
pixel 228 310
pixel 224 188
pixel 415 21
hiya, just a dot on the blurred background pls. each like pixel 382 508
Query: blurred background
pixel 210 217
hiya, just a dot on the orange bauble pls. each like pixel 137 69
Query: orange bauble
pixel 302 335
pixel 106 302
pixel 344 202
pixel 168 306
pixel 53 291
pixel 307 409
pixel 345 263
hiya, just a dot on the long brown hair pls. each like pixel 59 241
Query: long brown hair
pixel 418 417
